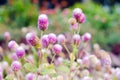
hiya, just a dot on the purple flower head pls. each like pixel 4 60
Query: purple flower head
pixel 30 76
pixel 7 36
pixel 86 37
pixel 82 18
pixel 52 38
pixel 86 61
pixel 12 45
pixel 43 22
pixel 31 38
pixel 16 65
pixel 20 52
pixel 1 76
pixel 57 49
pixel 77 13
pixel 61 39
pixel 45 41
pixel 76 39
pixel 74 26
pixel 14 57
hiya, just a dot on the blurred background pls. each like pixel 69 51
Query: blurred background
pixel 103 19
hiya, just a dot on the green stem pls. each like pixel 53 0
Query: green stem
pixel 78 29
pixel 66 49
pixel 53 58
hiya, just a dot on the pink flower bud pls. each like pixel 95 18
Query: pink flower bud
pixel 77 13
pixel 14 57
pixel 31 38
pixel 74 26
pixel 7 36
pixel 76 39
pixel 82 18
pixel 20 52
pixel 16 65
pixel 52 38
pixel 86 37
pixel 61 38
pixel 43 22
pixel 12 45
pixel 45 41
pixel 57 49
pixel 86 61
pixel 30 76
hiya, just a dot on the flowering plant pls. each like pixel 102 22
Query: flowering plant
pixel 53 57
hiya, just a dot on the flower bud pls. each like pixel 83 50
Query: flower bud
pixel 82 18
pixel 32 39
pixel 61 39
pixel 7 36
pixel 76 39
pixel 52 38
pixel 86 37
pixel 12 45
pixel 43 22
pixel 20 52
pixel 86 62
pixel 77 13
pixel 45 41
pixel 72 21
pixel 57 49
pixel 30 76
pixel 16 65
pixel 14 57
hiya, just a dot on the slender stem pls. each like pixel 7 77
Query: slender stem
pixel 78 28
pixel 53 58
pixel 66 49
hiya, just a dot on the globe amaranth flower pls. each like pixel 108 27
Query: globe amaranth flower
pixel 86 37
pixel 61 39
pixel 43 22
pixel 32 39
pixel 16 65
pixel 45 41
pixel 82 18
pixel 77 13
pixel 7 36
pixel 76 39
pixel 30 76
pixel 57 49
pixel 14 57
pixel 12 45
pixel 52 38
pixel 20 52
pixel 1 76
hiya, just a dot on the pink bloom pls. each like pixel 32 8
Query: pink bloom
pixel 77 13
pixel 14 57
pixel 16 65
pixel 7 36
pixel 20 52
pixel 82 18
pixel 57 49
pixel 61 38
pixel 12 45
pixel 52 38
pixel 30 76
pixel 86 37
pixel 31 38
pixel 1 76
pixel 43 22
pixel 74 26
pixel 45 41
pixel 76 39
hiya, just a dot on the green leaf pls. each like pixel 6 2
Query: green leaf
pixel 30 67
pixel 63 68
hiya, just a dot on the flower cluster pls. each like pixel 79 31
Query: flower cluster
pixel 50 57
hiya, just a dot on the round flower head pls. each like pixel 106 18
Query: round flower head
pixel 61 39
pixel 30 76
pixel 74 26
pixel 52 38
pixel 45 41
pixel 12 45
pixel 43 22
pixel 16 65
pixel 20 52
pixel 86 61
pixel 82 18
pixel 76 39
pixel 77 13
pixel 7 36
pixel 57 49
pixel 86 37
pixel 14 57
pixel 31 38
